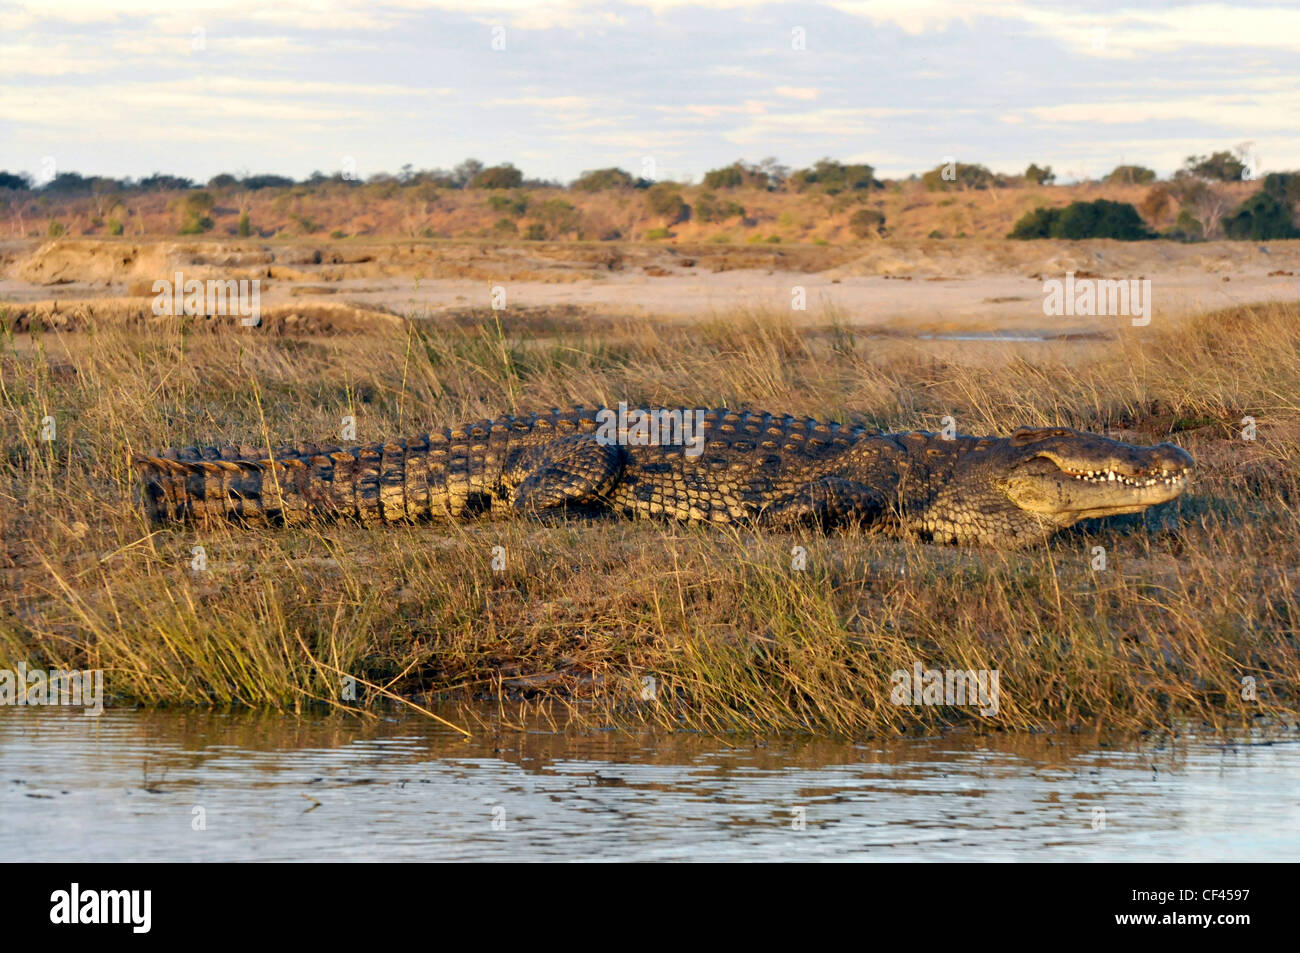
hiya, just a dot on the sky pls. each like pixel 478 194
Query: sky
pixel 672 88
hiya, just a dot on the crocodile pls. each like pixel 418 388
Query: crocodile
pixel 740 466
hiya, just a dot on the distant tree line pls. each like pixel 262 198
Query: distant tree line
pixel 1192 204
pixel 826 176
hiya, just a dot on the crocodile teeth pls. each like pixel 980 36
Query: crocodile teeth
pixel 1166 477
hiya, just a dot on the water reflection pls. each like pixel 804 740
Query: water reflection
pixel 136 785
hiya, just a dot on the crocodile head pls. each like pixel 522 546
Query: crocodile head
pixel 1027 486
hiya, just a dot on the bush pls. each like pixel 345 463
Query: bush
pixel 1103 219
pixel 963 176
pixel 56 230
pixel 1262 216
pixel 115 227
pixel 535 232
pixel 255 182
pixel 867 223
pixel 1040 175
pixel 498 177
pixel 831 177
pixel 728 177
pixel 766 175
pixel 558 217
pixel 1098 219
pixel 1283 186
pixel 67 183
pixel 245 228
pixel 505 226
pixel 194 213
pixel 655 234
pixel 1187 228
pixel 665 201
pixel 306 226
pixel 1131 175
pixel 164 183
pixel 515 205
pixel 709 209
pixel 1035 224
pixel 598 180
pixel 1156 204
pixel 1223 166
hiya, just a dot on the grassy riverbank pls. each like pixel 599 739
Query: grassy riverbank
pixel 1195 598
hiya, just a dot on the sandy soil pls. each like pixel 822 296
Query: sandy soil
pixel 972 286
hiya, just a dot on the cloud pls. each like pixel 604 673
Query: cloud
pixel 895 83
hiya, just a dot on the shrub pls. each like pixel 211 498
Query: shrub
pixel 505 226
pixel 56 230
pixel 245 227
pixel 1262 216
pixel 164 183
pixel 515 205
pixel 665 201
pixel 67 183
pixel 1103 219
pixel 1187 228
pixel 600 179
pixel 1035 224
pixel 831 177
pixel 959 175
pixel 1097 219
pixel 305 225
pixel 1156 204
pixel 655 234
pixel 1131 175
pixel 535 232
pixel 766 175
pixel 1223 166
pixel 728 177
pixel 709 209
pixel 498 177
pixel 1040 175
pixel 115 227
pixel 1283 186
pixel 255 182
pixel 194 213
pixel 867 223
pixel 558 217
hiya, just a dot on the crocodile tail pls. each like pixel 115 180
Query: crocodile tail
pixel 290 484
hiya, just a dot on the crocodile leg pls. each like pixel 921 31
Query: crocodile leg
pixel 577 469
pixel 826 502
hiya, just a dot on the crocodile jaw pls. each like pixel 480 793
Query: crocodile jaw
pixel 1065 490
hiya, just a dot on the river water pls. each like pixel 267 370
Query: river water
pixel 205 786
